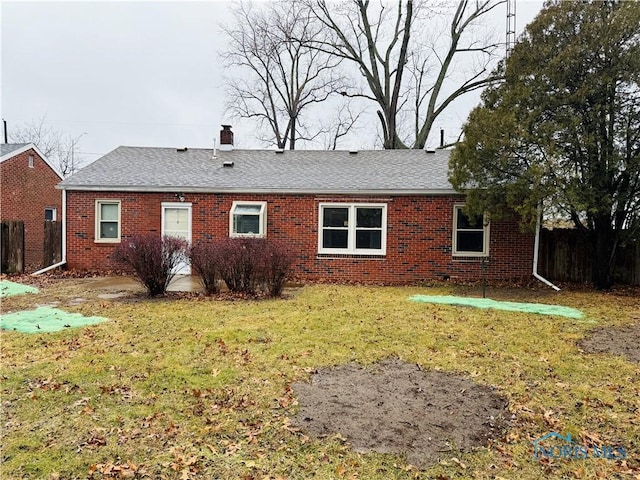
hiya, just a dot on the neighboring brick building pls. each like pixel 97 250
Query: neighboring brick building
pixel 28 193
pixel 372 216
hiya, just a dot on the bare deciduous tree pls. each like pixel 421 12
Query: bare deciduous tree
pixel 407 76
pixel 340 126
pixel 60 151
pixel 278 77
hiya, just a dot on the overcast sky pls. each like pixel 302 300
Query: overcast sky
pixel 132 73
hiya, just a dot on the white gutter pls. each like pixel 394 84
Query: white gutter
pixel 259 190
pixel 64 238
pixel 536 247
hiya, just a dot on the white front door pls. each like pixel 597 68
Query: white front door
pixel 176 222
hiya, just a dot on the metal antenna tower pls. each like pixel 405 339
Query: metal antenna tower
pixel 511 26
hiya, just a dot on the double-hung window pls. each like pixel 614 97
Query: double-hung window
pixel 359 229
pixel 107 221
pixel 470 234
pixel 248 219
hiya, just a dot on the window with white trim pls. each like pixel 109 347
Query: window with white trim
pixel 359 228
pixel 50 214
pixel 107 221
pixel 248 219
pixel 470 234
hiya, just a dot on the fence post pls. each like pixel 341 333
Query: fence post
pixel 12 233
pixel 4 247
pixel 52 250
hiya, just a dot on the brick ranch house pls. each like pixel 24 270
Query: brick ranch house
pixel 28 185
pixel 368 216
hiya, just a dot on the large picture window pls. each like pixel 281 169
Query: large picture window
pixel 470 234
pixel 353 228
pixel 107 220
pixel 248 219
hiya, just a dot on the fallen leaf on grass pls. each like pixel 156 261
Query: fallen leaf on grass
pixel 87 410
pixel 213 449
pixel 590 438
pixel 82 402
pixel 288 399
pixel 222 346
pixel 548 416
pixel 339 437
pixel 579 472
pixel 462 464
pixel 513 437
pixel 231 449
pixel 246 356
pixel 128 470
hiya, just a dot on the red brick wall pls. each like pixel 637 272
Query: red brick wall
pixel 26 192
pixel 419 235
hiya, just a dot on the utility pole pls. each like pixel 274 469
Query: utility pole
pixel 73 151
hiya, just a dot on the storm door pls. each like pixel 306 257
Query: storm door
pixel 176 222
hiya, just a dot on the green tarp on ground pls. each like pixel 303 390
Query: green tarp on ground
pixel 45 319
pixel 541 308
pixel 9 289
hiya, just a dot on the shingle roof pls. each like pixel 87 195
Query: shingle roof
pixel 6 148
pixel 299 171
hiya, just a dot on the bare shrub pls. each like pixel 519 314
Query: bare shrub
pixel 276 263
pixel 246 265
pixel 152 258
pixel 205 260
pixel 239 263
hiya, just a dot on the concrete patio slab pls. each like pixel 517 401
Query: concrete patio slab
pixel 122 283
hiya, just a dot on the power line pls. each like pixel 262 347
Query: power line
pixel 90 153
pixel 111 122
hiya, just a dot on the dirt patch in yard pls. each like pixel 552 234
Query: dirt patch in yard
pixel 616 340
pixel 396 407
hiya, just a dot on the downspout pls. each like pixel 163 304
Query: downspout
pixel 536 247
pixel 64 238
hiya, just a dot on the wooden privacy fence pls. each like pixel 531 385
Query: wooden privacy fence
pixel 565 257
pixel 12 246
pixel 52 243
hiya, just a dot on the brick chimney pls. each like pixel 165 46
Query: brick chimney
pixel 226 138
